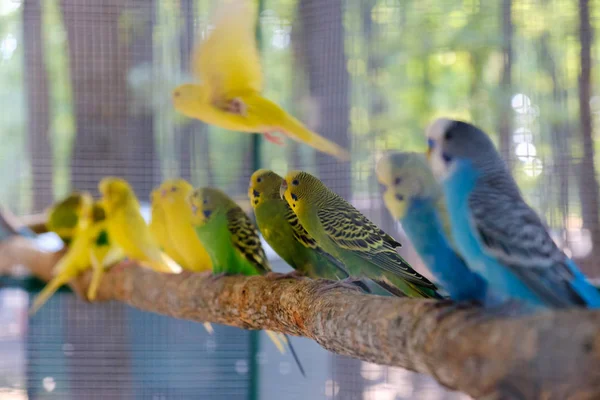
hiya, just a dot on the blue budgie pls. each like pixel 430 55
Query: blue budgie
pixel 413 196
pixel 498 234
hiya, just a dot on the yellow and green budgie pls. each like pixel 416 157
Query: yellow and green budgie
pixel 90 247
pixel 284 233
pixel 126 226
pixel 64 216
pixel 173 199
pixel 341 230
pixel 158 228
pixel 232 242
pixel 229 96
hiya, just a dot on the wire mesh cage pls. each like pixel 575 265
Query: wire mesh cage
pixel 85 92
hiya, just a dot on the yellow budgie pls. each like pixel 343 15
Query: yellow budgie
pixel 127 227
pixel 64 216
pixel 159 230
pixel 90 247
pixel 173 200
pixel 229 96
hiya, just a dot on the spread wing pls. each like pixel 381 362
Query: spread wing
pixel 228 60
pixel 512 232
pixel 246 240
pixel 352 231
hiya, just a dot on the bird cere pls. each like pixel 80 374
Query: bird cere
pixel 457 202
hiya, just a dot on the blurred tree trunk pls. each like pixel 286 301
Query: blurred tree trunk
pixel 559 129
pixel 588 181
pixel 506 112
pixel 109 140
pixel 322 42
pixel 194 143
pixel 38 113
pixel 107 38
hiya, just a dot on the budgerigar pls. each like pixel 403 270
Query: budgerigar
pixel 414 197
pixel 231 240
pixel 342 231
pixel 90 247
pixel 63 216
pixel 498 234
pixel 229 95
pixel 127 227
pixel 174 194
pixel 158 228
pixel 281 229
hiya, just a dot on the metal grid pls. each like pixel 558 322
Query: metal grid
pixel 85 92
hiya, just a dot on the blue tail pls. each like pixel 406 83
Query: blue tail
pixel 588 292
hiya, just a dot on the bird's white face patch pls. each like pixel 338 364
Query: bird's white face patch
pixel 435 140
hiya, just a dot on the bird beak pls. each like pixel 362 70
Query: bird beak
pixel 282 189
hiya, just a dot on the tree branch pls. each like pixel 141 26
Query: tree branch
pixel 554 355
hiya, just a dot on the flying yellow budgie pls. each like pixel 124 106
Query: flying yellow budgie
pixel 159 230
pixel 229 96
pixel 127 227
pixel 173 200
pixel 90 247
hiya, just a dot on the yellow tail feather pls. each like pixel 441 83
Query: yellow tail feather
pixel 47 292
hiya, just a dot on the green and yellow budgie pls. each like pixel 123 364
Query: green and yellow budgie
pixel 227 63
pixel 127 227
pixel 174 195
pixel 64 216
pixel 341 230
pixel 158 228
pixel 282 230
pixel 232 242
pixel 90 248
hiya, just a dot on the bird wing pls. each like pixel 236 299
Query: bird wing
pixel 304 238
pixel 512 232
pixel 246 240
pixel 352 231
pixel 228 60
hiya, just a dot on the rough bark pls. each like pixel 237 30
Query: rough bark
pixel 552 355
pixel 506 112
pixel 38 109
pixel 588 182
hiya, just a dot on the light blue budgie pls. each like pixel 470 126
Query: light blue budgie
pixel 497 233
pixel 412 196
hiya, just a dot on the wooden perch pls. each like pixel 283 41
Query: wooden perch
pixel 544 356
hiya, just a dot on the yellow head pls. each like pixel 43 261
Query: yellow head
pixel 207 201
pixel 404 177
pixel 191 99
pixel 115 192
pixel 264 185
pixel 301 190
pixel 175 189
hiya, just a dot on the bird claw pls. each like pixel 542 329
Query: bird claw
pixel 271 137
pixel 216 277
pixel 236 106
pixel 348 283
pixel 276 276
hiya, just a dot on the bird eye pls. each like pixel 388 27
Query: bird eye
pixel 258 180
pixel 447 158
pixel 397 181
pixel 173 189
pixel 294 197
pixel 295 182
pixel 399 197
pixel 176 94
